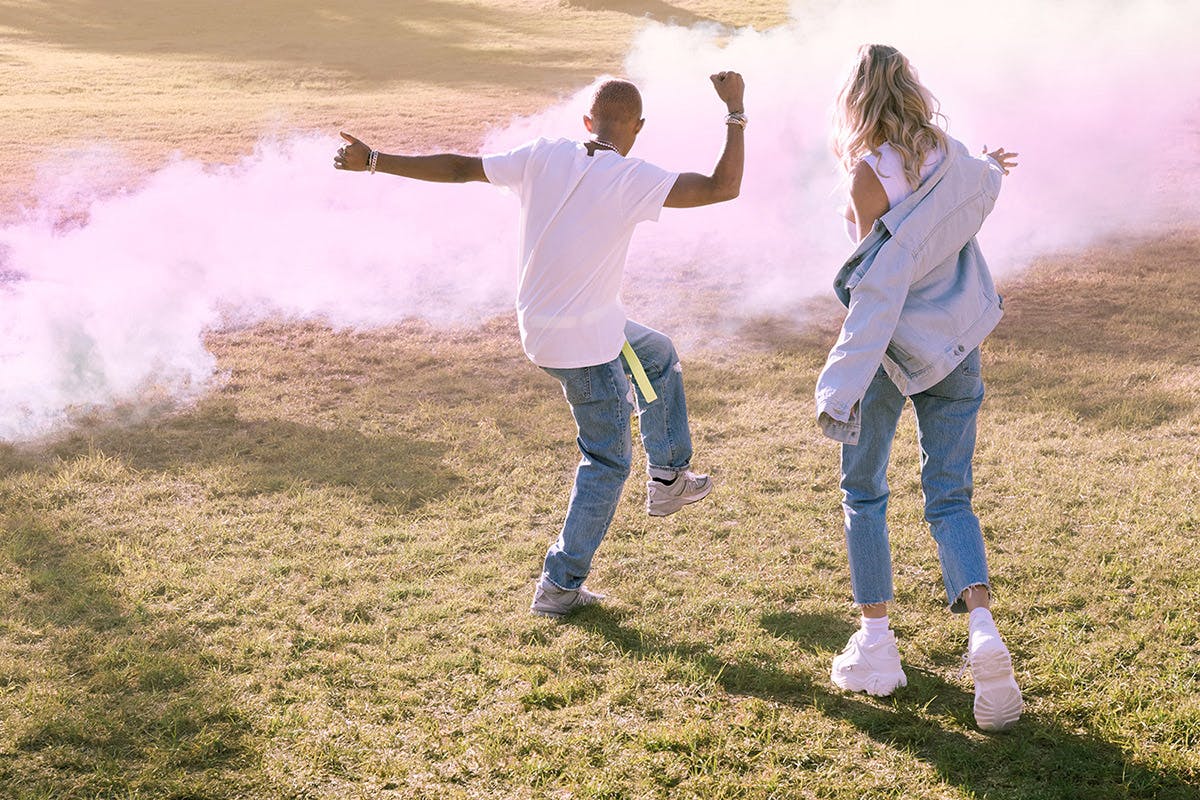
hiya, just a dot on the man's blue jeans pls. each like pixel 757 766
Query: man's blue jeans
pixel 601 399
pixel 946 415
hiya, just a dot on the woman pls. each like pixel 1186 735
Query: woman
pixel 920 301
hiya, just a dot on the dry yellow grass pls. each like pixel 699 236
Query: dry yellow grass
pixel 208 78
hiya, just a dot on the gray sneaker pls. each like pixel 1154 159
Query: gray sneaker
pixel 551 601
pixel 663 500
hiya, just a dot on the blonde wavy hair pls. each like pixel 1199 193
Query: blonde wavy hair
pixel 883 101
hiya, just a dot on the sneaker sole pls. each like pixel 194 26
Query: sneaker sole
pixel 677 503
pixel 998 701
pixel 874 685
pixel 554 614
pixel 537 612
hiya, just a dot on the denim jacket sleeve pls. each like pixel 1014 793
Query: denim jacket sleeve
pixel 875 304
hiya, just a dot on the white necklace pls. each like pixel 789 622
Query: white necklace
pixel 606 145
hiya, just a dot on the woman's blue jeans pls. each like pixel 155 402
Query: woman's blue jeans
pixel 946 415
pixel 602 399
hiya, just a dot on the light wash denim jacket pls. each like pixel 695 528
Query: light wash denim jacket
pixel 918 292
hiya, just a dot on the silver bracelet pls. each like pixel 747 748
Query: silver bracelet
pixel 373 161
pixel 737 118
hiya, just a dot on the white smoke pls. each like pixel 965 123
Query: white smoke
pixel 109 301
pixel 105 294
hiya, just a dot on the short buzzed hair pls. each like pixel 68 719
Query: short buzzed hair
pixel 617 100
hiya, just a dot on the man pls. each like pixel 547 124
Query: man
pixel 580 202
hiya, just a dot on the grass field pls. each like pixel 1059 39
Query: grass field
pixel 314 582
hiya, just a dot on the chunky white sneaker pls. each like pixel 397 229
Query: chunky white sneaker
pixel 998 702
pixel 873 668
pixel 663 500
pixel 551 601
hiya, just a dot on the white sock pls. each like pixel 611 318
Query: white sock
pixel 875 627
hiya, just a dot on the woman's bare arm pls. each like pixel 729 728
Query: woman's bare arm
pixel 868 200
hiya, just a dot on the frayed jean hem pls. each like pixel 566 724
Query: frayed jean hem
pixel 958 605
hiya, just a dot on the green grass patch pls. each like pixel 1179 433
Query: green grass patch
pixel 314 583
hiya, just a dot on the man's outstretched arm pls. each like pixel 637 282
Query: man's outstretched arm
pixel 693 189
pixel 354 156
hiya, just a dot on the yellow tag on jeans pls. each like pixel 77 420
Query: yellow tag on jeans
pixel 639 373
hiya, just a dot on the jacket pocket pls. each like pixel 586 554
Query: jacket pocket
pixel 896 352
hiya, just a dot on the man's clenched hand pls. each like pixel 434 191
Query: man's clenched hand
pixel 731 89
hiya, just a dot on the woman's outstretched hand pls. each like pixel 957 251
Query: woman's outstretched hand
pixel 1002 157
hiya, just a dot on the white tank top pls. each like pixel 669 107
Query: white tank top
pixel 889 168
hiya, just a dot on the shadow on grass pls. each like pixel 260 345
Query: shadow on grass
pixel 651 9
pixel 99 700
pixel 1101 335
pixel 1037 759
pixel 266 456
pixel 1131 301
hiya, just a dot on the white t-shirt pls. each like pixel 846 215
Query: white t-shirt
pixel 578 213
